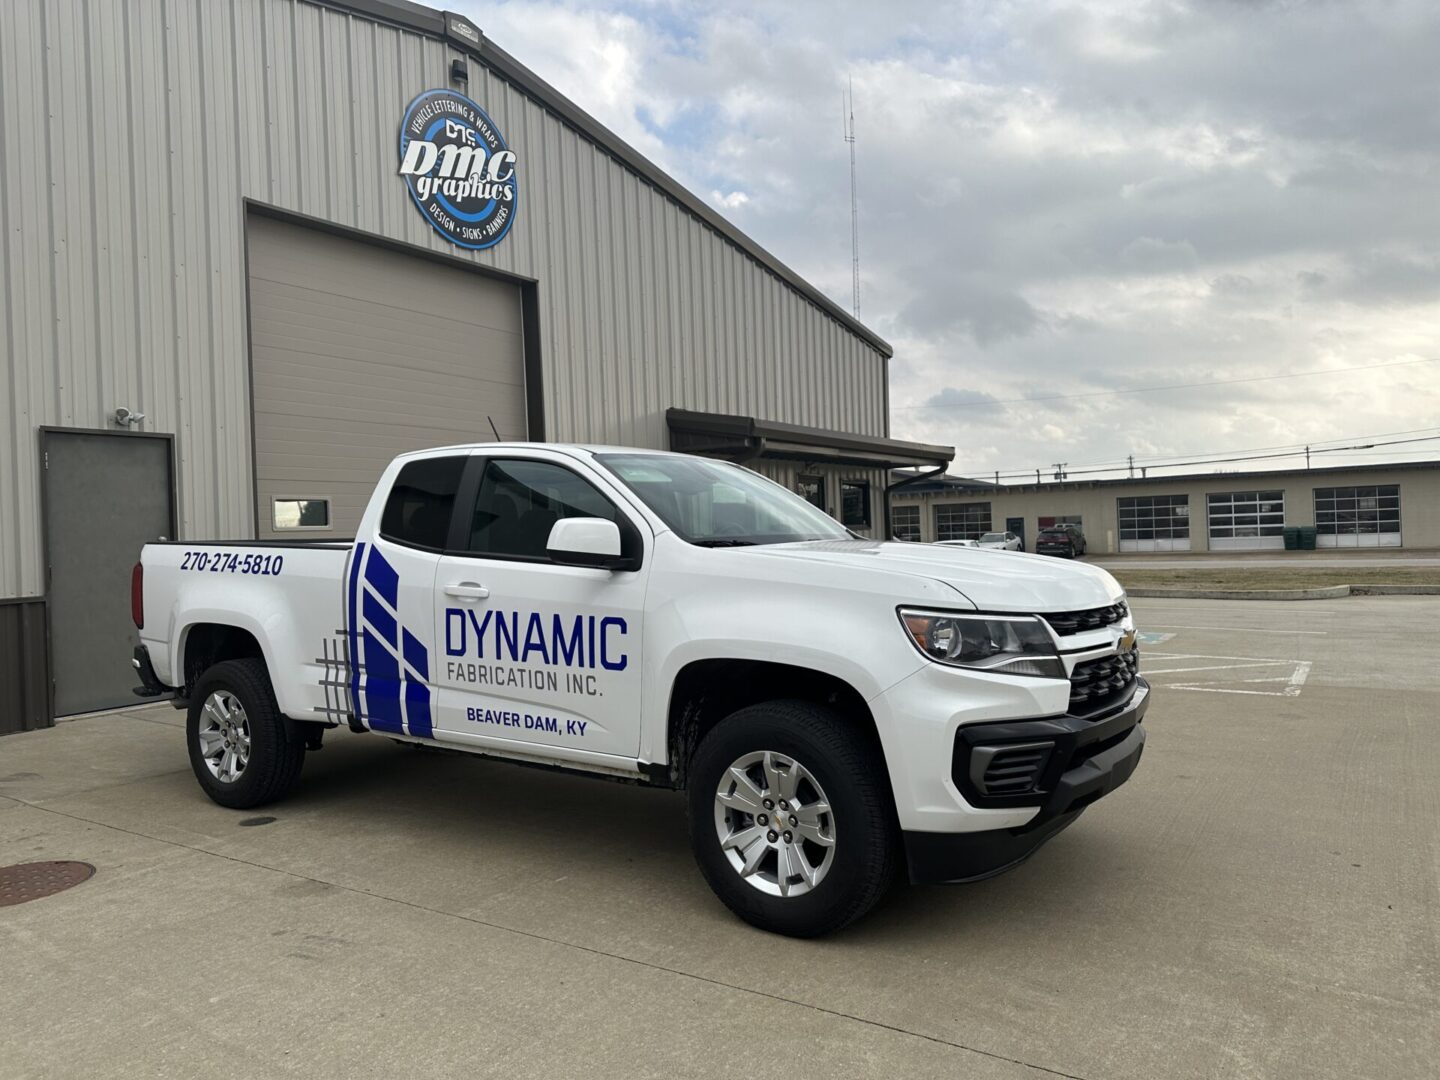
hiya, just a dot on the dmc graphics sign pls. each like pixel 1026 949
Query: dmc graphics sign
pixel 458 169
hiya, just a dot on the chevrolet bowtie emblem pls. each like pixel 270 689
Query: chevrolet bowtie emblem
pixel 1127 640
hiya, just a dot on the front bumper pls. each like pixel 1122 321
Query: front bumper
pixel 1089 759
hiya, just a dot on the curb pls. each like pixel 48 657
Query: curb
pixel 1395 590
pixel 1324 592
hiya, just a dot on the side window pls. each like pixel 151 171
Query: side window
pixel 421 502
pixel 520 501
pixel 812 490
pixel 855 504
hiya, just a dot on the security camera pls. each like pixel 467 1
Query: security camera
pixel 125 418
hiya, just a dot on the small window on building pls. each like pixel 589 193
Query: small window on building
pixel 812 490
pixel 300 513
pixel 855 504
pixel 962 521
pixel 418 510
pixel 905 521
pixel 519 503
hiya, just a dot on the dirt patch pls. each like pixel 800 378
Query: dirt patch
pixel 1273 577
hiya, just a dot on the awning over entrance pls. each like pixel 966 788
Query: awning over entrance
pixel 744 438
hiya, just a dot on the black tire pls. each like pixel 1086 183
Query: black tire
pixel 277 747
pixel 845 763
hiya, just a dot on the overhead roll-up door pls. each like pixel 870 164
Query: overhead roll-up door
pixel 360 352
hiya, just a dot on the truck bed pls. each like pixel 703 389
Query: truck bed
pixel 288 594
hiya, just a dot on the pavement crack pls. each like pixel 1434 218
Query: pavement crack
pixel 561 942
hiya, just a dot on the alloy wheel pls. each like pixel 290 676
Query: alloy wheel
pixel 774 823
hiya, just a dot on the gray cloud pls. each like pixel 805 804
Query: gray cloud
pixel 1059 198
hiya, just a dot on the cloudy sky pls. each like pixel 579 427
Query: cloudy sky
pixel 1062 199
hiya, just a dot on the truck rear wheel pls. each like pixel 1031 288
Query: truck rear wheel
pixel 790 818
pixel 242 750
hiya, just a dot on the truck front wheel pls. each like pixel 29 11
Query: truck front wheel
pixel 790 818
pixel 242 750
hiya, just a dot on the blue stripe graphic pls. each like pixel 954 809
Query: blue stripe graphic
pixel 383 578
pixel 352 619
pixel 380 620
pixel 382 686
pixel 417 656
pixel 417 709
pixel 377 645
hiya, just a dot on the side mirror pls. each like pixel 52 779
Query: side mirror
pixel 587 542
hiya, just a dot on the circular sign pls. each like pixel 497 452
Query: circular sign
pixel 458 169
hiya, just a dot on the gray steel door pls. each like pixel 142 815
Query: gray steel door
pixel 358 353
pixel 105 496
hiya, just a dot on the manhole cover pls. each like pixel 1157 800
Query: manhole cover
pixel 32 880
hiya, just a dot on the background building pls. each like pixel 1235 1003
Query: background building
pixel 232 291
pixel 1351 506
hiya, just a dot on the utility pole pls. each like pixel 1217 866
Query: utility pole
pixel 1060 470
pixel 847 116
pixel 1307 457
pixel 1037 477
pixel 1132 466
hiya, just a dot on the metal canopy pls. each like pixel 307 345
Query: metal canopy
pixel 744 438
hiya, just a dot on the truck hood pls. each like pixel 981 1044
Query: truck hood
pixel 991 580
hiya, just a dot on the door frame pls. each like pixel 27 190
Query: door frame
pixel 46 431
pixel 1020 531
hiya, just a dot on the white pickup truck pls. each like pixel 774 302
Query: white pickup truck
pixel 838 710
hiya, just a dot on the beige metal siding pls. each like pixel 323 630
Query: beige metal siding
pixel 361 353
pixel 133 131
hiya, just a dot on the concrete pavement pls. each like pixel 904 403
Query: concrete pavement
pixel 1260 901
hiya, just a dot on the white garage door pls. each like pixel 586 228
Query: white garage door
pixel 1246 520
pixel 360 353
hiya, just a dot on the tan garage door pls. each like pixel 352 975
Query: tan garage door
pixel 360 353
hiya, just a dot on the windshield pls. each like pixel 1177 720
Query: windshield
pixel 717 504
pixel 991 538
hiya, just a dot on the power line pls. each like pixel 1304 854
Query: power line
pixel 1227 460
pixel 1297 447
pixel 1172 386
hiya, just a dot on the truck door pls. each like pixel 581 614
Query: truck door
pixel 390 598
pixel 530 653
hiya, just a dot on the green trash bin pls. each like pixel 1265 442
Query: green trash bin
pixel 1307 537
pixel 1292 538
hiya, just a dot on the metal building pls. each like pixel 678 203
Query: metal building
pixel 255 248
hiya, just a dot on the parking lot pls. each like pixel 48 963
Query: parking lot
pixel 1260 901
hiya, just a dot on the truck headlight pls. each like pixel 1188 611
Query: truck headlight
pixel 1004 644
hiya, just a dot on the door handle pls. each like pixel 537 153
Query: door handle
pixel 467 590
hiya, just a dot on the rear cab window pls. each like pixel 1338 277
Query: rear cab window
pixel 422 501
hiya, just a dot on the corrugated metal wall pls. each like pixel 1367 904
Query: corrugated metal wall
pixel 132 131
pixel 25 692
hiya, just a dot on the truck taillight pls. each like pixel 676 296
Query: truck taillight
pixel 137 596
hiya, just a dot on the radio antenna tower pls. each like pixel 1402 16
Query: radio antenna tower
pixel 847 117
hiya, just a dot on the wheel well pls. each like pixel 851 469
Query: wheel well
pixel 207 644
pixel 707 691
